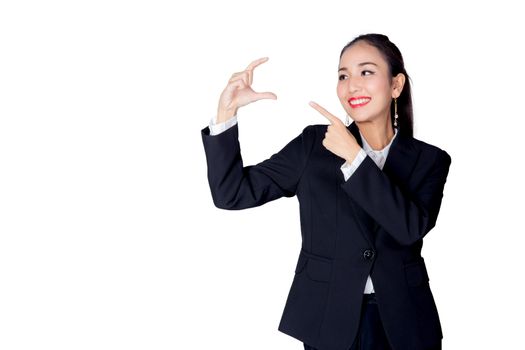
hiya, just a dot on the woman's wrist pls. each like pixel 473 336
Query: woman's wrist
pixel 224 115
pixel 352 154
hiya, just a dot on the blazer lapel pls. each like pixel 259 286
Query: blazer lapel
pixel 401 158
pixel 365 222
pixel 398 166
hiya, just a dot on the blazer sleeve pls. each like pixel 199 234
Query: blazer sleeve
pixel 406 217
pixel 234 186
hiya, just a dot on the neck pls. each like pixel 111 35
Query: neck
pixel 378 133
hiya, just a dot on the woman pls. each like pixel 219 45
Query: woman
pixel 368 193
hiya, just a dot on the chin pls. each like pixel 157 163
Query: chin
pixel 359 119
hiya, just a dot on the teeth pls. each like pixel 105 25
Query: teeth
pixel 359 101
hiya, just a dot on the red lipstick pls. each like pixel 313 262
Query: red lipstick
pixel 365 100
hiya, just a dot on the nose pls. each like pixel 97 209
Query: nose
pixel 354 84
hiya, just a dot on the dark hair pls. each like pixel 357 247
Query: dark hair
pixel 394 59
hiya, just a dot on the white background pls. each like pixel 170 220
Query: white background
pixel 108 235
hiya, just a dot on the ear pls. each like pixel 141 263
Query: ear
pixel 397 85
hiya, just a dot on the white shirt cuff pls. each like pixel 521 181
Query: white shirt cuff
pixel 216 129
pixel 349 168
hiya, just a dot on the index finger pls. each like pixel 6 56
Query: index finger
pixel 332 118
pixel 257 62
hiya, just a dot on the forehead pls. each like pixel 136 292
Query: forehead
pixel 361 52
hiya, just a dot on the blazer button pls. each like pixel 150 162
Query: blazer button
pixel 368 254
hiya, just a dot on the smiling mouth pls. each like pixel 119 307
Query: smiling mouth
pixel 358 101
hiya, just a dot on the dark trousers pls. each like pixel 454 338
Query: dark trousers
pixel 371 335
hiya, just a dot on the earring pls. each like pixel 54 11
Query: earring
pixel 395 112
pixel 347 120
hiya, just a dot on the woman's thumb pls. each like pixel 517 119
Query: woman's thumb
pixel 266 95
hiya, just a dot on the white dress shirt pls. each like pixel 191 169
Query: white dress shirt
pixel 379 158
pixel 216 129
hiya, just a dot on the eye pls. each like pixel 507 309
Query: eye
pixel 342 77
pixel 365 71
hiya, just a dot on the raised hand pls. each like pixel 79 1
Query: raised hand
pixel 239 92
pixel 338 139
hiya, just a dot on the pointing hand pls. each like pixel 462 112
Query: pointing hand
pixel 338 139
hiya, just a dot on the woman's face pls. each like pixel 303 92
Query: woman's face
pixel 365 87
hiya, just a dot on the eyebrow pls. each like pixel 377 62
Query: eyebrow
pixel 360 65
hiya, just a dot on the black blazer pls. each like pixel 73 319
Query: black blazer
pixel 374 223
